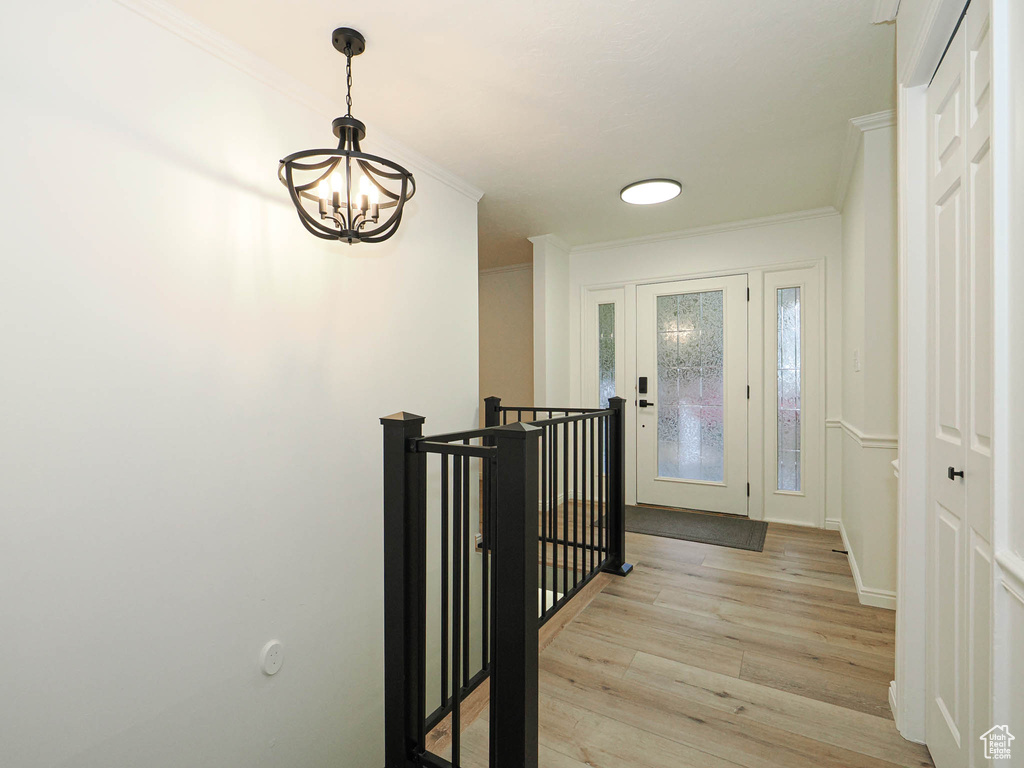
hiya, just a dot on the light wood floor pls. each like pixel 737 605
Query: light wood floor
pixel 715 658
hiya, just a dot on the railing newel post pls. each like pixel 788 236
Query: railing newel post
pixel 405 481
pixel 515 626
pixel 616 502
pixel 492 411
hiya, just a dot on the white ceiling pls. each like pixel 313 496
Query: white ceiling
pixel 551 106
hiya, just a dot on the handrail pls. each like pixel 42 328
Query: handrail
pixel 550 409
pixel 473 434
pixel 429 445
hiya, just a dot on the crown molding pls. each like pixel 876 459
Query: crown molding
pixel 551 239
pixel 885 11
pixel 191 30
pixel 714 229
pixel 526 266
pixel 855 130
pixel 884 119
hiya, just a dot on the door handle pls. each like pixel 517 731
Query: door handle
pixel 645 404
pixel 951 474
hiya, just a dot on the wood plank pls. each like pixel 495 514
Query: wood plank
pixel 572 646
pixel 852 692
pixel 841 727
pixel 798 573
pixel 686 576
pixel 632 623
pixel 725 735
pixel 609 626
pixel 836 633
pixel 645 587
pixel 606 742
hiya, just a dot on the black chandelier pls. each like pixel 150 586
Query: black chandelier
pixel 340 193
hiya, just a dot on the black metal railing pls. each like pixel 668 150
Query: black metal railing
pixel 520 516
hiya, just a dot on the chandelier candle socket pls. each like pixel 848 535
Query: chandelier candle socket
pixel 341 193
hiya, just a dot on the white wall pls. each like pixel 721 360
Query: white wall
pixel 869 362
pixel 550 322
pixel 189 435
pixel 506 334
pixel 809 237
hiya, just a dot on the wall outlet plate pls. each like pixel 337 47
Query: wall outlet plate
pixel 271 657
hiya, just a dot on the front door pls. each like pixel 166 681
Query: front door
pixel 692 420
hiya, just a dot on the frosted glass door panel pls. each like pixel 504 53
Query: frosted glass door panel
pixel 605 353
pixel 788 388
pixel 690 386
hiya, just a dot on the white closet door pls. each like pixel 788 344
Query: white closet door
pixel 960 401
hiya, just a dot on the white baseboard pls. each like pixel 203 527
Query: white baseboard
pixel 784 521
pixel 832 525
pixel 879 598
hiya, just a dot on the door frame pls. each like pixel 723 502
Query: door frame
pixel 756 470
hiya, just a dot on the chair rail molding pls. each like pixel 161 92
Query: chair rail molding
pixel 864 439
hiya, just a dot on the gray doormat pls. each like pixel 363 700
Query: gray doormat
pixel 720 530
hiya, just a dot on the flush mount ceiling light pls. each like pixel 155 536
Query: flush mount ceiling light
pixel 341 193
pixel 650 191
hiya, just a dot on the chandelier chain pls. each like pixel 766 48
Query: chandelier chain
pixel 348 80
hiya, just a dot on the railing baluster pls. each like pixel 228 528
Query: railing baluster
pixel 486 470
pixel 456 609
pixel 544 522
pixel 565 508
pixel 592 495
pixel 445 544
pixel 575 503
pixel 466 545
pixel 554 515
pixel 600 492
